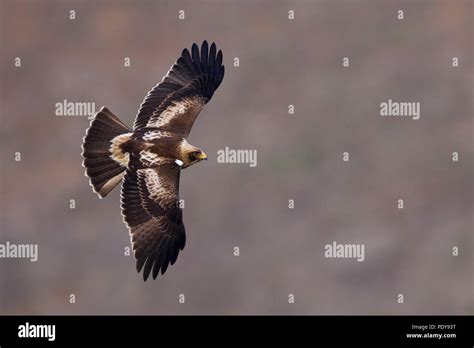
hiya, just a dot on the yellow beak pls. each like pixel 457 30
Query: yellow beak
pixel 202 156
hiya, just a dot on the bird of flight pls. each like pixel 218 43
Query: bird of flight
pixel 148 159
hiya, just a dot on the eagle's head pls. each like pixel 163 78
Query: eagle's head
pixel 190 154
pixel 196 156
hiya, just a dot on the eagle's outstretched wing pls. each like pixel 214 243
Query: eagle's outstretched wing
pixel 174 103
pixel 150 210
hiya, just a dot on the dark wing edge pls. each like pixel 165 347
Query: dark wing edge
pixel 200 72
pixel 156 239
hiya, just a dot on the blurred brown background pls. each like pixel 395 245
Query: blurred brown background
pixel 282 62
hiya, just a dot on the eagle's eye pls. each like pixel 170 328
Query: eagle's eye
pixel 197 156
pixel 194 155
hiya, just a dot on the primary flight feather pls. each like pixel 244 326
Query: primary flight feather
pixel 148 159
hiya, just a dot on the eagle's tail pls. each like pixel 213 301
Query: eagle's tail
pixel 104 161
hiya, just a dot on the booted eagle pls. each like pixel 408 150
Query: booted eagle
pixel 148 159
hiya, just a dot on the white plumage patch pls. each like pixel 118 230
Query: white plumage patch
pixel 179 162
pixel 175 110
pixel 151 159
pixel 157 188
pixel 116 153
pixel 152 135
pixel 190 107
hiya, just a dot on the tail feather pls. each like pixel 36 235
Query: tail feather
pixel 103 171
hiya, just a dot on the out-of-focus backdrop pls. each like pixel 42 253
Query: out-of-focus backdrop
pixel 300 157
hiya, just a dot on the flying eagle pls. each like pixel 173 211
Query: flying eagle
pixel 148 159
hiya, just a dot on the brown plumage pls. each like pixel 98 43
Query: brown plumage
pixel 148 159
